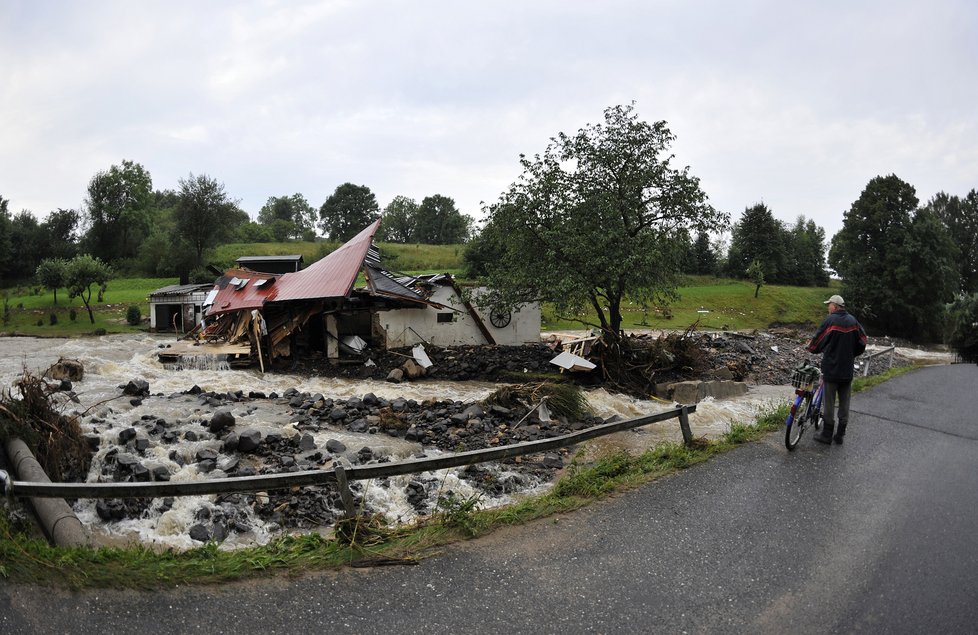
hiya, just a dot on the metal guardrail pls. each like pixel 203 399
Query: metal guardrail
pixel 871 356
pixel 338 475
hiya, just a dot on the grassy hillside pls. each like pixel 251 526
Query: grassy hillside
pixel 404 258
pixel 720 303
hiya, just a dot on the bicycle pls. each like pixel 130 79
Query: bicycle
pixel 807 408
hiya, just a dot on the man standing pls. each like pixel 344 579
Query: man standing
pixel 840 339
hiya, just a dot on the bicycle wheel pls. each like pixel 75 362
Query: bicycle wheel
pixel 794 430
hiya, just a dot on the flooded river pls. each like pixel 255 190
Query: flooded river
pixel 112 361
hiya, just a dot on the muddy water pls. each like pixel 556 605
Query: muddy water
pixel 111 361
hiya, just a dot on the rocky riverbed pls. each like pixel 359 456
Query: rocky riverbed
pixel 238 423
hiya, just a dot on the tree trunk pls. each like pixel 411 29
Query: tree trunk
pixel 757 289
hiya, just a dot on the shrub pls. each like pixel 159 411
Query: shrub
pixel 133 316
pixel 72 314
pixel 40 321
pixel 53 318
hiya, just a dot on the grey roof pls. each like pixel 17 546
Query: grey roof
pixel 292 258
pixel 182 289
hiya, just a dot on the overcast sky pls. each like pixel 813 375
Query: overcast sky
pixel 771 101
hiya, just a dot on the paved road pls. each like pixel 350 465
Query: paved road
pixel 878 535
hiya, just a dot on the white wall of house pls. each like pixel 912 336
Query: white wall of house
pixel 189 305
pixel 454 326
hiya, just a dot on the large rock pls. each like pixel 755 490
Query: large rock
pixel 137 388
pixel 249 440
pixel 222 420
pixel 396 376
pixel 66 369
pixel 412 369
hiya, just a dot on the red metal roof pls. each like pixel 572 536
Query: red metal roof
pixel 330 277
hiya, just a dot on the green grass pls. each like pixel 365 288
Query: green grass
pixel 405 258
pixel 27 308
pixel 27 559
pixel 729 304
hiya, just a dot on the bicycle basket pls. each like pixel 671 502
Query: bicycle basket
pixel 804 377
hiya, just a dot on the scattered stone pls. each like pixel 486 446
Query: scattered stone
pixel 335 447
pixel 136 388
pixel 221 420
pixel 396 376
pixel 200 533
pixel 249 441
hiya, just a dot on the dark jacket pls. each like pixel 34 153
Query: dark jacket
pixel 839 339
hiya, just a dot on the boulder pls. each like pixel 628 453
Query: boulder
pixel 136 388
pixel 335 447
pixel 66 369
pixel 222 420
pixel 396 376
pixel 412 369
pixel 249 440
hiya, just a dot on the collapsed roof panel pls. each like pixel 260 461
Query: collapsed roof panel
pixel 330 277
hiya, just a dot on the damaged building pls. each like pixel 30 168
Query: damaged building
pixel 263 318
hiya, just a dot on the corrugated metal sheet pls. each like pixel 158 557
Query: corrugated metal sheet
pixel 236 290
pixel 330 277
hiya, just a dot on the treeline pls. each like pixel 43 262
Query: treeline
pixel 141 231
pixel 792 255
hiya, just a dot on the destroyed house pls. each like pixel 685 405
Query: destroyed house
pixel 318 310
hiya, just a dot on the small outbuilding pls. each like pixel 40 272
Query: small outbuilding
pixel 271 264
pixel 178 307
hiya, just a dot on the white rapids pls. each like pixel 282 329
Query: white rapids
pixel 111 361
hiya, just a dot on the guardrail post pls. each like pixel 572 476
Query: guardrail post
pixel 345 494
pixel 684 425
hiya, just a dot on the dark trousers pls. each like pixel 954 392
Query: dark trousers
pixel 844 391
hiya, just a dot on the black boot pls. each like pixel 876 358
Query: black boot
pixel 825 436
pixel 841 432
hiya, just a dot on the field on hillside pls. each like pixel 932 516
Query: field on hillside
pixel 402 258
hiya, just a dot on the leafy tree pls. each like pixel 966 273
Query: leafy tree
pixel 869 250
pixel 896 265
pixel 289 217
pixel 757 236
pixel 438 222
pixel 58 232
pixel 51 274
pixel 481 253
pixel 204 216
pixel 81 273
pixel 118 206
pixel 703 258
pixel 962 326
pixel 594 220
pixel 26 245
pixel 398 221
pixel 4 238
pixel 805 255
pixel 928 277
pixel 347 211
pixel 252 232
pixel 960 218
pixel 755 273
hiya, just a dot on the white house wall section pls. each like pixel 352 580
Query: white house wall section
pixel 454 326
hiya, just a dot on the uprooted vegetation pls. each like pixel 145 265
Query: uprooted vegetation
pixel 55 438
